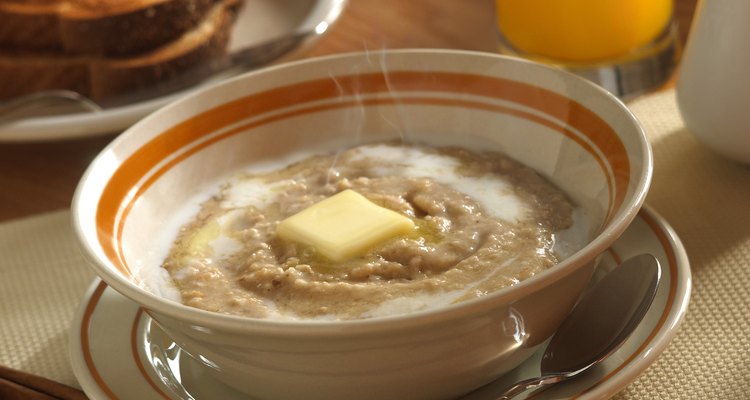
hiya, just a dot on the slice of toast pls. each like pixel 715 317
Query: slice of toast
pixel 23 72
pixel 97 27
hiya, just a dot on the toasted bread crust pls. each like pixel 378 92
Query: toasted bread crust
pixel 97 27
pixel 104 77
pixel 27 74
pixel 147 28
pixel 37 31
pixel 207 42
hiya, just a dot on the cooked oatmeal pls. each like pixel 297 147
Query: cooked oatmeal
pixel 482 222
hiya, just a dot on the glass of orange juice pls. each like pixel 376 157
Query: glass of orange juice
pixel 627 46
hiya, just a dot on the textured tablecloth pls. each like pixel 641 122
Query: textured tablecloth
pixel 704 197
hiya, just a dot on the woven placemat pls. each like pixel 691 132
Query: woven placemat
pixel 706 199
pixel 703 196
pixel 43 278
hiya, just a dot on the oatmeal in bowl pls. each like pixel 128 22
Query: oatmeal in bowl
pixel 328 229
pixel 474 223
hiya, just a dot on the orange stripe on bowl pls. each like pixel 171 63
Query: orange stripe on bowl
pixel 146 184
pixel 122 190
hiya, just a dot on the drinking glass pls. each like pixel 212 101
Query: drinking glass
pixel 626 46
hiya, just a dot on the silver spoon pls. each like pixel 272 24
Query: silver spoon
pixel 599 323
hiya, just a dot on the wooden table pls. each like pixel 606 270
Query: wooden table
pixel 39 177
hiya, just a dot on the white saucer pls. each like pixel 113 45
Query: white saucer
pixel 257 22
pixel 117 353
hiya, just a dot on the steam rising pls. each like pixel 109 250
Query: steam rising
pixel 355 118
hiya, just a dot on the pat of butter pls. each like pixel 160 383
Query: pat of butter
pixel 344 226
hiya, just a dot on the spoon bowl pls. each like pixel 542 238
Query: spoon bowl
pixel 598 325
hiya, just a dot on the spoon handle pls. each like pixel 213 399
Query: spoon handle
pixel 526 384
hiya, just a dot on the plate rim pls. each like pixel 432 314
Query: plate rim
pixel 82 125
pixel 667 331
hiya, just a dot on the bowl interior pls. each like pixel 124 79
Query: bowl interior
pixel 150 180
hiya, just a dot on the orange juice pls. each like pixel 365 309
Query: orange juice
pixel 581 30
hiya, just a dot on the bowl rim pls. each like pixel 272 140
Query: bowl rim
pixel 156 305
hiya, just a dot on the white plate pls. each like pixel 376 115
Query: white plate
pixel 118 353
pixel 257 22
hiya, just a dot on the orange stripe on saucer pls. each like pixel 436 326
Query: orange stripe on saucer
pixel 137 359
pixel 661 235
pixel 86 344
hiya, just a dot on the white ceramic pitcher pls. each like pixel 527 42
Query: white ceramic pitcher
pixel 713 87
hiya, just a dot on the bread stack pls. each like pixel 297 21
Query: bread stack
pixel 105 48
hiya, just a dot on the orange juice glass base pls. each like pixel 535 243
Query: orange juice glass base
pixel 628 47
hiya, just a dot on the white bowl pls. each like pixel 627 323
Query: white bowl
pixel 574 133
